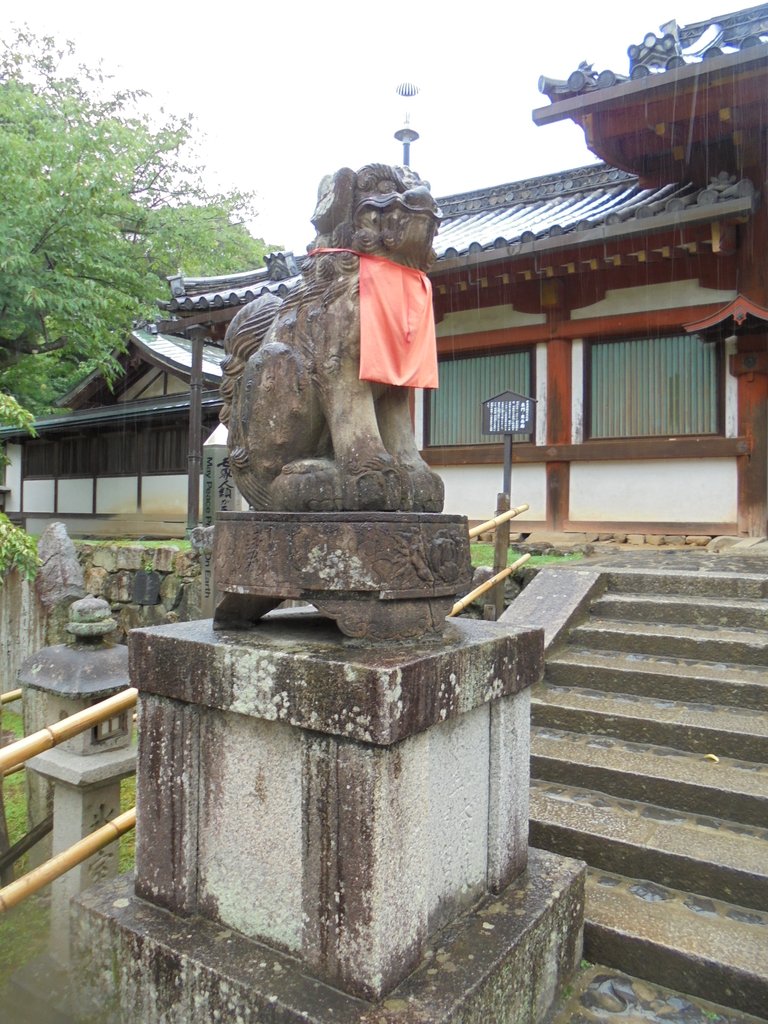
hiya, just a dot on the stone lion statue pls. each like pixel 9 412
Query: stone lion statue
pixel 316 394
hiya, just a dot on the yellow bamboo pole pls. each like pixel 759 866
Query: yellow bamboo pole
pixel 10 696
pixel 493 523
pixel 18 752
pixel 13 771
pixel 67 859
pixel 462 604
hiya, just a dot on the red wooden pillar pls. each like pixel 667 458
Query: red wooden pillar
pixel 750 366
pixel 558 430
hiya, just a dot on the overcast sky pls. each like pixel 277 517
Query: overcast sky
pixel 285 92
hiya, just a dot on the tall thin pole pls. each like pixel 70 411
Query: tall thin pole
pixel 406 135
pixel 195 445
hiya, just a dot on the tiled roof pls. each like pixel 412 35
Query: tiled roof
pixel 507 217
pixel 200 294
pixel 585 199
pixel 142 409
pixel 189 294
pixel 674 48
pixel 175 353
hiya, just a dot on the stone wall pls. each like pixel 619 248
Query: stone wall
pixel 144 585
pixel 22 627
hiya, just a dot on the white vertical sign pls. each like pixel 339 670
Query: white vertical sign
pixel 219 495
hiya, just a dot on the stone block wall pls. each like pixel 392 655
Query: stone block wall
pixel 144 585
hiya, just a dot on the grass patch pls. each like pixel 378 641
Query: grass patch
pixel 12 720
pixel 14 790
pixel 482 554
pixel 23 935
pixel 23 929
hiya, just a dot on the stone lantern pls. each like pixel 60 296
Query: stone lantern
pixel 86 770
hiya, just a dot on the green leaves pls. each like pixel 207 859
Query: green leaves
pixel 17 551
pixel 100 205
pixel 12 414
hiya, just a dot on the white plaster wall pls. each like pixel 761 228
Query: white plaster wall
pixel 150 385
pixel 13 478
pixel 494 318
pixel 75 495
pixel 115 494
pixel 731 392
pixel 165 495
pixel 661 490
pixel 38 495
pixel 577 391
pixel 471 490
pixel 653 296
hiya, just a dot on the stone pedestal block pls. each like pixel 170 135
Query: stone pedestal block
pixel 503 962
pixel 337 801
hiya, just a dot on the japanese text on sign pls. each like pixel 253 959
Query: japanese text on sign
pixel 507 416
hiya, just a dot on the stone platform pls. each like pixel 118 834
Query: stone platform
pixel 345 813
pixel 504 962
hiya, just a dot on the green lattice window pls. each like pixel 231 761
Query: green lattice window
pixel 653 387
pixel 454 411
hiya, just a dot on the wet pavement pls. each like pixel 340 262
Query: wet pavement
pixel 662 559
pixel 599 995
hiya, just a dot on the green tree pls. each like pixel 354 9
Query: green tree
pixel 99 206
pixel 17 549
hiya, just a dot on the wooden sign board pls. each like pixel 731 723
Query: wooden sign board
pixel 508 413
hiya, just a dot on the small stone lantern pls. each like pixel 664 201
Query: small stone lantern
pixel 85 770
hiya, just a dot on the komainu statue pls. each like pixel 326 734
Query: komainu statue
pixel 316 388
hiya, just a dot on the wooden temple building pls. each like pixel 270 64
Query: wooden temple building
pixel 629 298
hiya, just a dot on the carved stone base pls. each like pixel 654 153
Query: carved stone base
pixel 379 575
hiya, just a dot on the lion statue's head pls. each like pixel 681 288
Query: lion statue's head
pixel 379 210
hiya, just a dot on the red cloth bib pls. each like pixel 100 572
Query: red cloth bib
pixel 397 323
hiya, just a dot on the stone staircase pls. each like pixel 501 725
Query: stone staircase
pixel 650 762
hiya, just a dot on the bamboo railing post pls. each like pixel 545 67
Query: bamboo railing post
pixel 491 524
pixel 500 556
pixel 86 790
pixel 478 591
pixel 63 862
pixel 16 753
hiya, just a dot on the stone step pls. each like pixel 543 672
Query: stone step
pixel 733 789
pixel 700 728
pixel 705 643
pixel 751 586
pixel 703 947
pixel 604 995
pixel 715 858
pixel 682 679
pixel 684 609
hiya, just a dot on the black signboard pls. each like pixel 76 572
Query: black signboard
pixel 146 588
pixel 508 413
